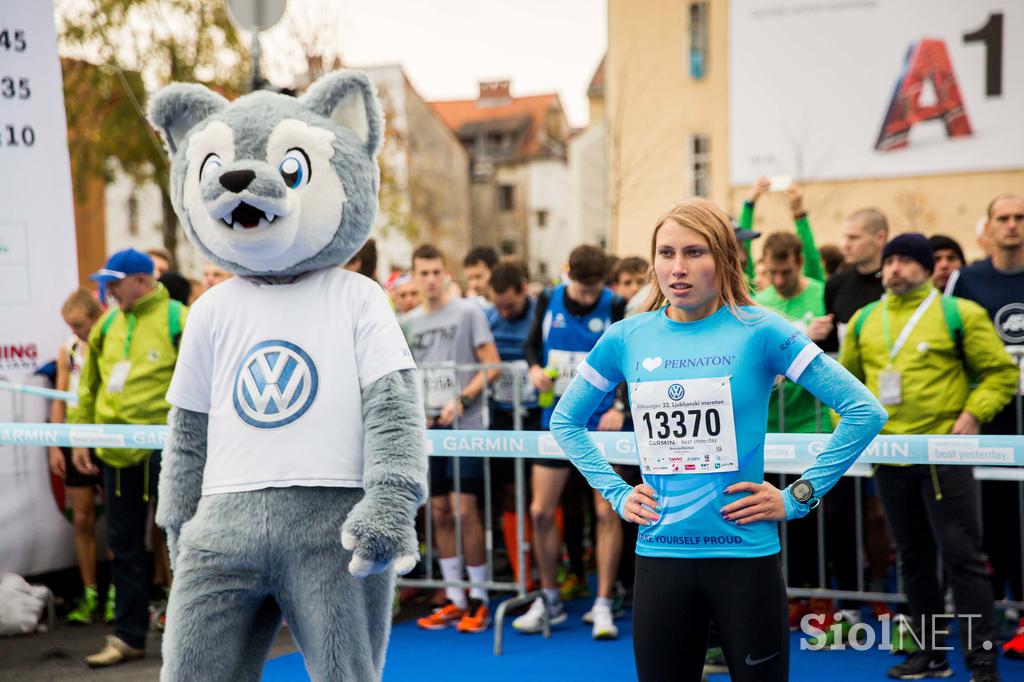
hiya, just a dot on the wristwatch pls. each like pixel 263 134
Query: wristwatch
pixel 465 400
pixel 619 405
pixel 802 490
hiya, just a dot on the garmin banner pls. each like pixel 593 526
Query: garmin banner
pixel 783 451
pixel 874 88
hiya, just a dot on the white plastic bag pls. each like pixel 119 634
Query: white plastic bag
pixel 21 605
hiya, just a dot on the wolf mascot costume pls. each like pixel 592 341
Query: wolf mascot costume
pixel 296 458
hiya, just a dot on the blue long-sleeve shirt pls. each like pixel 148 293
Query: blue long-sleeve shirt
pixel 705 427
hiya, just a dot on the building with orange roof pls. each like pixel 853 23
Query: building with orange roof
pixel 519 183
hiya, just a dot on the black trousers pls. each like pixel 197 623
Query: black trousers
pixel 675 600
pixel 127 512
pixel 1000 508
pixel 926 527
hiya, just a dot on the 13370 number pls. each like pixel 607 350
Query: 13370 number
pixel 674 423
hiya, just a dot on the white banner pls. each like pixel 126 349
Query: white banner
pixel 34 536
pixel 38 258
pixel 835 89
pixel 38 269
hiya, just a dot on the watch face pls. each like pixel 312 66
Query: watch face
pixel 802 491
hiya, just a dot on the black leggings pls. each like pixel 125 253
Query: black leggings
pixel 675 601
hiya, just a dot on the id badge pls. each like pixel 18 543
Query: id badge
pixel 889 390
pixel 118 376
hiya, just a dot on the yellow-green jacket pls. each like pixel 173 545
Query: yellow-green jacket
pixel 143 337
pixel 936 382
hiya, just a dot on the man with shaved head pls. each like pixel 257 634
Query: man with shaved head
pixel 864 233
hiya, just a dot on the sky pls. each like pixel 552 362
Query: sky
pixel 448 46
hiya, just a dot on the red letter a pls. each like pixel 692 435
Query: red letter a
pixel 927 60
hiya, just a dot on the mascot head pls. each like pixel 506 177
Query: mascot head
pixel 269 184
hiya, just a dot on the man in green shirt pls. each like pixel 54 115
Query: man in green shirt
pixel 801 300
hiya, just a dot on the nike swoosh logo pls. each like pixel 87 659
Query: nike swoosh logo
pixel 759 661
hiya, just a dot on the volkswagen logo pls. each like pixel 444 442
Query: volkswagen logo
pixel 676 392
pixel 275 384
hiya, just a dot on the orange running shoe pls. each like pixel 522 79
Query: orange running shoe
pixel 444 615
pixel 476 618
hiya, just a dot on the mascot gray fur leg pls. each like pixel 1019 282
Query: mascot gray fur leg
pixel 240 555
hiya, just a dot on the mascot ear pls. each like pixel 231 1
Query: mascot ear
pixel 347 98
pixel 177 108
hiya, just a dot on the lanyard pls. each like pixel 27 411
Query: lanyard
pixel 131 332
pixel 895 348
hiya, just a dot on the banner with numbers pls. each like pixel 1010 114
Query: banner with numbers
pixel 38 269
pixel 836 89
pixel 38 258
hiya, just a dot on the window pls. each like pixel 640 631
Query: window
pixel 507 247
pixel 700 165
pixel 542 218
pixel 506 197
pixel 698 56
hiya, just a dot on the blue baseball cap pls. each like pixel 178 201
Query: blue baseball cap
pixel 122 264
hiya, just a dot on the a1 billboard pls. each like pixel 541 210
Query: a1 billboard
pixel 843 89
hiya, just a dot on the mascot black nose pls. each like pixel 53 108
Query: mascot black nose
pixel 237 180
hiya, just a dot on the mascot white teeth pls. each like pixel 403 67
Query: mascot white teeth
pixel 296 458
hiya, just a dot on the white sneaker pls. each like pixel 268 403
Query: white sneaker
pixel 604 625
pixel 532 622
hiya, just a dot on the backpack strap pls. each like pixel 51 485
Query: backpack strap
pixel 174 314
pixel 864 312
pixel 954 323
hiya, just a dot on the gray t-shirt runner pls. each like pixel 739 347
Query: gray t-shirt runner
pixel 451 334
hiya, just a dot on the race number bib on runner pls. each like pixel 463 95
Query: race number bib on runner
pixel 567 363
pixel 440 388
pixel 504 388
pixel 684 426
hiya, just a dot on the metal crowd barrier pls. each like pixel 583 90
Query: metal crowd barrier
pixel 997 467
pixel 993 458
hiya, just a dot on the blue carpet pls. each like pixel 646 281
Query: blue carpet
pixel 571 654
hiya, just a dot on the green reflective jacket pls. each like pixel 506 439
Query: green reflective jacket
pixel 936 380
pixel 142 337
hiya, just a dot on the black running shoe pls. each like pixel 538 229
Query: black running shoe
pixel 920 665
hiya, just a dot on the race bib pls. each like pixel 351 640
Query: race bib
pixel 118 377
pixel 684 426
pixel 440 389
pixel 504 388
pixel 567 363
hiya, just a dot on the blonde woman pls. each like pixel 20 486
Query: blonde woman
pixel 701 364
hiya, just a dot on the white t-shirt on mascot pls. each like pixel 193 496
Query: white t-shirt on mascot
pixel 280 369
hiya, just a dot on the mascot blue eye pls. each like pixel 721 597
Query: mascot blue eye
pixel 210 164
pixel 294 168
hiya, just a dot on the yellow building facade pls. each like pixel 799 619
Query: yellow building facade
pixel 668 134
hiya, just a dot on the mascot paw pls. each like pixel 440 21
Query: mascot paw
pixel 364 563
pixel 406 563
